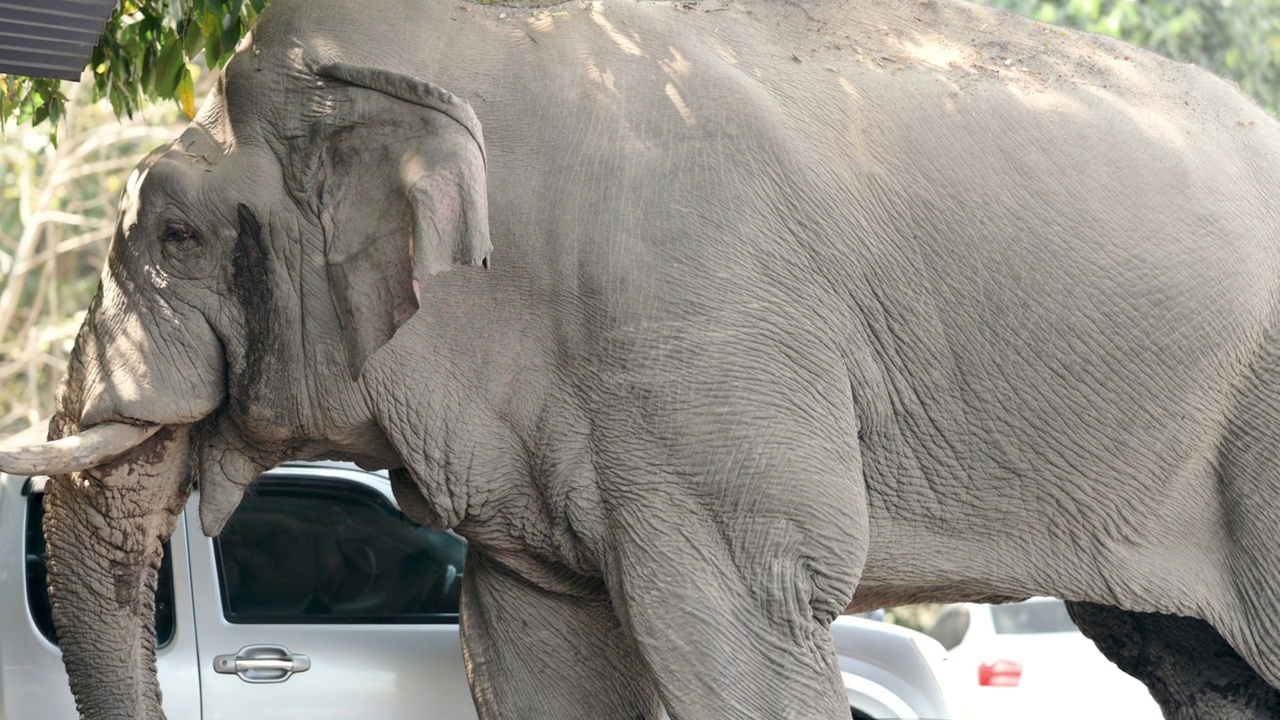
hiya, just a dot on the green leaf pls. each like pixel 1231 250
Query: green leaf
pixel 149 27
pixel 168 68
pixel 193 39
pixel 55 117
pixel 213 49
pixel 211 23
pixel 55 109
pixel 230 38
pixel 148 74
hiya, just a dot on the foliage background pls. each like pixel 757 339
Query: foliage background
pixel 56 219
pixel 149 50
pixel 1237 39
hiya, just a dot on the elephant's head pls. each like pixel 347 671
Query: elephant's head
pixel 259 260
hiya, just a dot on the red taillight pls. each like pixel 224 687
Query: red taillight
pixel 999 673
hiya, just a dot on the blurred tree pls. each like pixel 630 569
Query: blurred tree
pixel 56 219
pixel 916 617
pixel 146 52
pixel 1237 39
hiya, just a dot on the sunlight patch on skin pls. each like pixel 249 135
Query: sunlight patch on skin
pixel 297 60
pixel 857 128
pixel 214 123
pixel 622 41
pixel 1029 75
pixel 320 50
pixel 129 201
pixel 602 78
pixel 245 41
pixel 158 279
pixel 1157 125
pixel 1138 74
pixel 935 54
pixel 685 112
pixel 602 82
pixel 124 370
pixel 543 23
pixel 1135 71
pixel 725 52
pixel 1048 101
pixel 322 103
pixel 677 66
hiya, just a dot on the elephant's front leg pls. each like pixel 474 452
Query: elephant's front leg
pixel 535 654
pixel 732 615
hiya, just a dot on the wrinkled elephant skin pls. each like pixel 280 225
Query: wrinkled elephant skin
pixel 754 311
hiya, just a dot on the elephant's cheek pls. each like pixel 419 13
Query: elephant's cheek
pixel 105 531
pixel 141 361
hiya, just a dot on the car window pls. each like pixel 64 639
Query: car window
pixel 308 550
pixel 1030 618
pixel 950 627
pixel 36 560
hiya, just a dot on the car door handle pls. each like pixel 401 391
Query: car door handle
pixel 262 663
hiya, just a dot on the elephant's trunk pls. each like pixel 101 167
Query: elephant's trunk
pixel 105 529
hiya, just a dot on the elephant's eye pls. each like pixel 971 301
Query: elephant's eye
pixel 180 241
pixel 184 251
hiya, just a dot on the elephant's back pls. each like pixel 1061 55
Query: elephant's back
pixel 1013 191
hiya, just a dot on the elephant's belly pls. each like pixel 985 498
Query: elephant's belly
pixel 1002 557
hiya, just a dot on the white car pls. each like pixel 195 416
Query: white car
pixel 1029 660
pixel 321 601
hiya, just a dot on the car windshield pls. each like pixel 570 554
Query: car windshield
pixel 1030 618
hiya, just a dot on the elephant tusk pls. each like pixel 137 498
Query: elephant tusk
pixel 85 449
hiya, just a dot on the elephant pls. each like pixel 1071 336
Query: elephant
pixel 704 323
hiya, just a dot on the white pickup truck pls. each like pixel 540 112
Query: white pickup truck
pixel 321 601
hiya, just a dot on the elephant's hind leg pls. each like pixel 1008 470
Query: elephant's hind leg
pixel 536 654
pixel 1192 672
pixel 1247 611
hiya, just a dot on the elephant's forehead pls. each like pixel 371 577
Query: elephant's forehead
pixel 196 145
pixel 138 179
pixel 165 171
pixel 190 153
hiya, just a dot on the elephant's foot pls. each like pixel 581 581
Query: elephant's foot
pixel 1190 669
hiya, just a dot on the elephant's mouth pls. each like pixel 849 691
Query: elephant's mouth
pixel 88 448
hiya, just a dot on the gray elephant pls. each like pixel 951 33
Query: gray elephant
pixel 793 308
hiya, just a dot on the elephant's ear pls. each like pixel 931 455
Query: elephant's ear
pixel 402 196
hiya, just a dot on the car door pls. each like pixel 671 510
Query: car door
pixel 33 682
pixel 320 600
